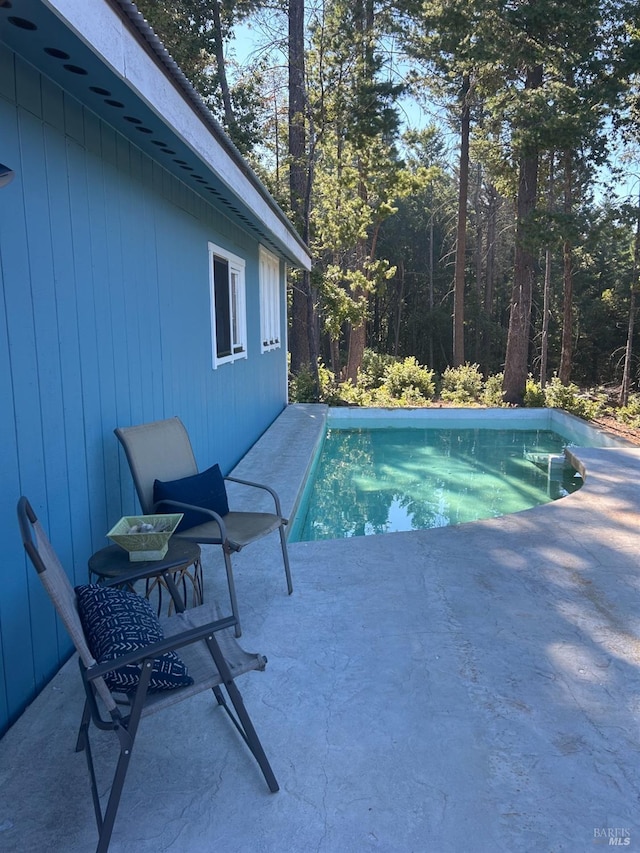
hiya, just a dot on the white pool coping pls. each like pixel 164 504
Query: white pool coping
pixel 576 430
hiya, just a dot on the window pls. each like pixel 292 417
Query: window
pixel 228 314
pixel 270 337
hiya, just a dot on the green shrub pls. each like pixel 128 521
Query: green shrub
pixel 374 367
pixel 353 395
pixel 302 386
pixel 329 392
pixel 492 394
pixel 462 384
pixel 567 397
pixel 630 414
pixel 400 376
pixel 534 396
pixel 412 396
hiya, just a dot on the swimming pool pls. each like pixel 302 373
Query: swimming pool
pixel 380 471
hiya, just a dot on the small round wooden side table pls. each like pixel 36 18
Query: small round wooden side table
pixel 182 561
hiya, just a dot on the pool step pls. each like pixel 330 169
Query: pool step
pixel 553 463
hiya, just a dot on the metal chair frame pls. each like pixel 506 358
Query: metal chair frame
pixel 232 531
pixel 198 631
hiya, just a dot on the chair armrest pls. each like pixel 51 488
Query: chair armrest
pixel 271 491
pixel 153 651
pixel 176 505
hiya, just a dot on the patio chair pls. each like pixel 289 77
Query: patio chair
pixel 166 478
pixel 125 686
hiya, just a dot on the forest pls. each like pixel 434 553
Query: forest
pixel 466 174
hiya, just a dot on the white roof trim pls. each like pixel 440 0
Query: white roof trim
pixel 98 24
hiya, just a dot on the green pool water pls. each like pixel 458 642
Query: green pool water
pixel 373 481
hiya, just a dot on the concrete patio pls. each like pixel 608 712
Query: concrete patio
pixel 471 688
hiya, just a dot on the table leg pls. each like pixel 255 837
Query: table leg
pixel 180 577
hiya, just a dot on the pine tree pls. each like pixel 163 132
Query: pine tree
pixel 451 39
pixel 195 33
pixel 565 69
pixel 357 173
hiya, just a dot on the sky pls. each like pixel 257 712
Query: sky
pixel 249 38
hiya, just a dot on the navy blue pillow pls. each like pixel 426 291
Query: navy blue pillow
pixel 206 490
pixel 116 622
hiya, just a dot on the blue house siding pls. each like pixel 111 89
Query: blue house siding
pixel 104 322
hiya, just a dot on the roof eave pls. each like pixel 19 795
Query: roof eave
pixel 120 37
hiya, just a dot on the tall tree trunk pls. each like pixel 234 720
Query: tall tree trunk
pixel 313 331
pixel 357 340
pixel 218 48
pixel 300 309
pixel 478 252
pixel 276 137
pixel 544 344
pixel 566 355
pixel 516 360
pixel 396 343
pixel 357 334
pixel 334 345
pixel 490 270
pixel 364 21
pixel 431 259
pixel 461 228
pixel 626 375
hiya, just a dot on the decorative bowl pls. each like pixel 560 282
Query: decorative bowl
pixel 145 537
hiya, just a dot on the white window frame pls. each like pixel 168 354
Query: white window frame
pixel 270 319
pixel 234 331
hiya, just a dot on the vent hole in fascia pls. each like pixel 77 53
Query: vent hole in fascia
pixel 57 54
pixel 159 143
pixel 75 69
pixel 144 129
pixel 113 103
pixel 168 151
pixel 5 4
pixel 132 120
pixel 22 23
pixel 99 90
